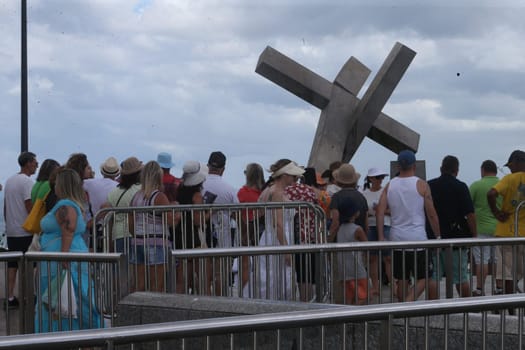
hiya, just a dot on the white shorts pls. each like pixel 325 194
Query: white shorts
pixel 504 270
pixel 484 253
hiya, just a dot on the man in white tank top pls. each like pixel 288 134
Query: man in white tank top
pixel 409 198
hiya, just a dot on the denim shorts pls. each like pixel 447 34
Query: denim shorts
pixel 122 245
pixel 373 236
pixel 149 254
pixel 460 271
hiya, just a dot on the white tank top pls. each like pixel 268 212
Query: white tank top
pixel 407 212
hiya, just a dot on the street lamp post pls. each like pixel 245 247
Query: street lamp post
pixel 23 78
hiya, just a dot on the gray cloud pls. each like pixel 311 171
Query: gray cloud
pixel 107 79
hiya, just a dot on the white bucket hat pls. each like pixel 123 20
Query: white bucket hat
pixel 376 172
pixel 194 173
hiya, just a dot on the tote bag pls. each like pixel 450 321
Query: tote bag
pixel 59 292
pixel 32 223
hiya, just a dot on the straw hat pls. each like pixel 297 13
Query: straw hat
pixel 131 165
pixel 346 175
pixel 110 167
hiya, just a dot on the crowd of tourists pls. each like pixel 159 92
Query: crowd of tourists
pixel 406 208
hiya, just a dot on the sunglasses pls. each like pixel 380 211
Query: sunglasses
pixel 379 177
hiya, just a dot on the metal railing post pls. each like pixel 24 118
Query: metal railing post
pixel 123 276
pixel 27 290
pixel 448 272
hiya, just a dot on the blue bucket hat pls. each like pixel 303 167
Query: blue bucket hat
pixel 164 160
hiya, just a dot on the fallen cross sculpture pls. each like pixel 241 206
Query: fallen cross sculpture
pixel 345 119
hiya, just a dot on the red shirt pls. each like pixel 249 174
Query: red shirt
pixel 248 195
pixel 171 183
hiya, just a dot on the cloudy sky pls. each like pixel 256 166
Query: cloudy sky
pixel 137 77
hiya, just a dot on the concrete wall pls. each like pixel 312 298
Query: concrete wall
pixel 143 308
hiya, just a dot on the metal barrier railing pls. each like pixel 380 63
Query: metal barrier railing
pixel 326 275
pixel 514 248
pixel 98 282
pixel 202 262
pixel 108 271
pixel 248 331
pixel 310 261
pixel 245 223
pixel 12 323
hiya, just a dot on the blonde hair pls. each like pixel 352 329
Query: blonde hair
pixel 69 185
pixel 151 178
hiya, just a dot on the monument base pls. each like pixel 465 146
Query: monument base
pixel 145 308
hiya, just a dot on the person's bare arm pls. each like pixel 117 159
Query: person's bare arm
pixel 471 221
pixel 500 215
pixel 380 214
pixel 67 221
pixel 365 226
pixel 278 197
pixel 430 210
pixel 29 205
pixel 172 219
pixel 198 216
pixel 334 226
pixel 102 215
pixel 360 235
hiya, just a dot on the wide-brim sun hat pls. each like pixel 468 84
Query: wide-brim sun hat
pixel 194 173
pixel 291 169
pixel 346 175
pixel 131 165
pixel 110 167
pixel 376 172
pixel 164 160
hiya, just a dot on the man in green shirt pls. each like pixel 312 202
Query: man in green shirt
pixel 485 222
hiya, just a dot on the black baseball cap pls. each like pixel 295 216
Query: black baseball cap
pixel 217 160
pixel 516 156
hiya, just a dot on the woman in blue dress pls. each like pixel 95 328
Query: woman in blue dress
pixel 62 229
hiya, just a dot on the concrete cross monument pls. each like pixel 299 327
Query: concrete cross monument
pixel 345 119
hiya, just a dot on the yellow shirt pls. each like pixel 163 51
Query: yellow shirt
pixel 512 189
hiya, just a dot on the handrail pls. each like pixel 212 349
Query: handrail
pixel 320 218
pixel 68 256
pixel 10 255
pixel 261 322
pixel 339 247
pixel 237 206
pixel 516 217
